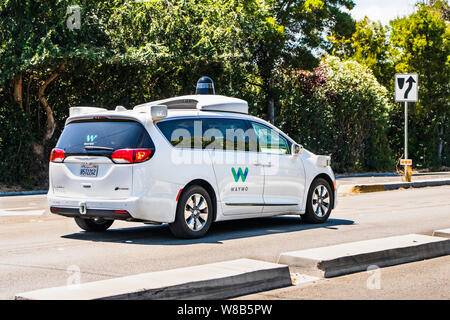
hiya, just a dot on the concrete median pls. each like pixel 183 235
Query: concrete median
pixel 444 233
pixel 358 256
pixel 211 281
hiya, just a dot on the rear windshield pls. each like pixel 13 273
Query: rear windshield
pixel 86 137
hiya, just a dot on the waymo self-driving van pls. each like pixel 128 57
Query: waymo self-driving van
pixel 187 161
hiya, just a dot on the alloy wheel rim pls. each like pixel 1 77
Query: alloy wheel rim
pixel 196 212
pixel 321 201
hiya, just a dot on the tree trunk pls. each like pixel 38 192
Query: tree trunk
pixel 18 92
pixel 441 142
pixel 30 79
pixel 51 125
pixel 270 103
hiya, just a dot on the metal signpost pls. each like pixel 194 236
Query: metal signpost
pixel 406 90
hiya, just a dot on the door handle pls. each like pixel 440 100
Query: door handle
pixel 259 164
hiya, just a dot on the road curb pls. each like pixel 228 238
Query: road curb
pixel 353 257
pixel 211 281
pixel 365 188
pixel 366 175
pixel 23 193
pixel 387 174
pixel 444 233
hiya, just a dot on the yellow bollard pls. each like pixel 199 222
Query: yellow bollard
pixel 408 173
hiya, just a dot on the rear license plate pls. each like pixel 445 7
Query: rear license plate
pixel 88 170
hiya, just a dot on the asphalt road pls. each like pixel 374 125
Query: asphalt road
pixel 40 251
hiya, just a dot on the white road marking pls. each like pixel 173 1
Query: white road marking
pixel 13 212
pixel 21 209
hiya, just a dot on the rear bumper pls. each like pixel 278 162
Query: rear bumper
pixel 92 213
pixel 153 208
pixel 95 208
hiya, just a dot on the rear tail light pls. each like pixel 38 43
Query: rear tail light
pixel 121 211
pixel 131 155
pixel 57 155
pixel 141 155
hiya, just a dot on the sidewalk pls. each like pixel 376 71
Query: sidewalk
pixel 389 181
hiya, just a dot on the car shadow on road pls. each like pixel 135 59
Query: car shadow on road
pixel 219 231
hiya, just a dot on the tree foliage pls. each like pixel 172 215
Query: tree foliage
pixel 369 45
pixel 268 52
pixel 342 110
pixel 418 43
pixel 422 45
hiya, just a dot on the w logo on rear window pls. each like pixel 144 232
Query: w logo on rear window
pixel 240 174
pixel 91 138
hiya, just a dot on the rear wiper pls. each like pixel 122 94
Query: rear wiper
pixel 98 148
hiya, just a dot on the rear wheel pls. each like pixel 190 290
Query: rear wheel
pixel 194 213
pixel 93 225
pixel 319 203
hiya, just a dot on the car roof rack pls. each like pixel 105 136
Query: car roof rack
pixel 201 102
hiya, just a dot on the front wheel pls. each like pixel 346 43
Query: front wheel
pixel 194 213
pixel 93 225
pixel 319 203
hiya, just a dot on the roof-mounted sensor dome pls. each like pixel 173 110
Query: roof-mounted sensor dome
pixel 205 85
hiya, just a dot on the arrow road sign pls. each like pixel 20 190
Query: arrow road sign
pixel 406 87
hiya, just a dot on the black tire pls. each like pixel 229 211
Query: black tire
pixel 181 228
pixel 93 225
pixel 315 212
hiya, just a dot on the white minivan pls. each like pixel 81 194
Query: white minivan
pixel 187 161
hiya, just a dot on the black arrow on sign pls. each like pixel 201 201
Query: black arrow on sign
pixel 410 82
pixel 401 82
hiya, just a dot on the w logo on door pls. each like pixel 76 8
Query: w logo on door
pixel 240 174
pixel 91 138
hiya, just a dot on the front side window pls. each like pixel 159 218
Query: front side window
pixel 269 140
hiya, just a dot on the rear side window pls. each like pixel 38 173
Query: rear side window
pixel 209 133
pixel 228 134
pixel 85 137
pixel 183 133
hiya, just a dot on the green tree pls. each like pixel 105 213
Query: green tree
pixel 124 52
pixel 369 45
pixel 39 39
pixel 291 37
pixel 180 40
pixel 421 44
pixel 342 110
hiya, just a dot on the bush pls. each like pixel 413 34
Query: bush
pixel 18 164
pixel 339 109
